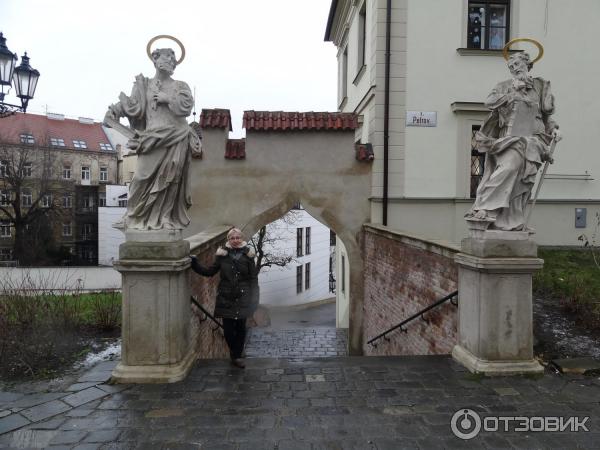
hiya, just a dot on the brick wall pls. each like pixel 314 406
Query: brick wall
pixel 404 274
pixel 209 340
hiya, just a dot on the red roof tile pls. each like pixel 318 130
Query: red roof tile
pixel 364 152
pixel 235 149
pixel 42 128
pixel 215 118
pixel 288 121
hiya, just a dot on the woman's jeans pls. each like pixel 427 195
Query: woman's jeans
pixel 235 335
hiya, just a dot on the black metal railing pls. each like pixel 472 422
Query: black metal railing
pixel 204 311
pixel 415 316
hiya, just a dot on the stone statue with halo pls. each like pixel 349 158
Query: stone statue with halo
pixel 517 138
pixel 159 194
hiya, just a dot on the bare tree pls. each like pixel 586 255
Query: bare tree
pixel 30 201
pixel 267 242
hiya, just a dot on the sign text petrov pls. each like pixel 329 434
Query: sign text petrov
pixel 421 118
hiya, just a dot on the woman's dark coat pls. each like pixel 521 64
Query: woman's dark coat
pixel 238 293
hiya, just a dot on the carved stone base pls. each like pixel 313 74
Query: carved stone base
pixel 495 316
pixel 164 373
pixel 155 346
pixel 495 368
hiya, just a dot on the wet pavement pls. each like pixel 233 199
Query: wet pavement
pixel 320 403
pixel 297 343
pixel 298 332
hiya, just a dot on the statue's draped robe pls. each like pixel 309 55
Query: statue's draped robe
pixel 513 137
pixel 159 194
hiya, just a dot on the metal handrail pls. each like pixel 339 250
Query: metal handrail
pixel 206 313
pixel 414 316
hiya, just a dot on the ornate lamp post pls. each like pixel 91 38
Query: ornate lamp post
pixel 24 78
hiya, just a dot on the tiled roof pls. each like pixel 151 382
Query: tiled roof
pixel 215 118
pixel 235 149
pixel 288 121
pixel 42 128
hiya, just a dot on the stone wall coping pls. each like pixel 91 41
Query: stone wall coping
pixel 205 239
pixel 500 265
pixel 438 246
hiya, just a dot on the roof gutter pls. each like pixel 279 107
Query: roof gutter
pixel 332 9
pixel 386 112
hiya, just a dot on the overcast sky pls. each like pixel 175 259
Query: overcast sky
pixel 240 54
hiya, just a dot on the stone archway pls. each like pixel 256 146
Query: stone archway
pixel 286 158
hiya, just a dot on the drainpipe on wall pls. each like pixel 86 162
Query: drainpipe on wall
pixel 386 111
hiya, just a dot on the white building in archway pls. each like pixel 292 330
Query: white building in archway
pixel 306 278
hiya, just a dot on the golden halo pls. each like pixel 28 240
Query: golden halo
pixel 533 41
pixel 166 36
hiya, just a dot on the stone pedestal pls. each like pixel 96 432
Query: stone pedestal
pixel 156 345
pixel 495 325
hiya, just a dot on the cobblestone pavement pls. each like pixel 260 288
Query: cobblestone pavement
pixel 297 343
pixel 321 403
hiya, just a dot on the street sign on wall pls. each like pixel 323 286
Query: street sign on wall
pixel 421 118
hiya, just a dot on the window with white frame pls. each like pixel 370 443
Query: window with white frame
pixel 477 164
pixel 298 279
pixel 488 24
pixel 85 172
pixel 67 201
pixel 101 198
pixel 26 169
pixel 79 143
pixel 5 229
pixel 362 36
pixel 299 249
pixel 57 142
pixel 4 197
pixel 344 76
pixel 105 147
pixel 3 168
pixel 88 201
pixel 123 202
pixel 87 231
pixel 103 173
pixel 67 229
pixel 27 138
pixel 26 198
pixel 46 201
pixel 307 276
pixel 67 172
pixel 6 254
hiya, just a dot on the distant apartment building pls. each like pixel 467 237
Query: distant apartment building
pixel 62 165
pixel 306 278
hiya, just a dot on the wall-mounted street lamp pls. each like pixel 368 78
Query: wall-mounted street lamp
pixel 24 78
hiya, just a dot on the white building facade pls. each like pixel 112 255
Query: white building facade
pixel 445 58
pixel 109 238
pixel 306 278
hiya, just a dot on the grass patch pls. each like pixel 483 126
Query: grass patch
pixel 573 278
pixel 42 333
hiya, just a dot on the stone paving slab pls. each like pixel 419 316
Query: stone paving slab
pixel 296 343
pixel 320 403
pixel 44 411
pixel 12 422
